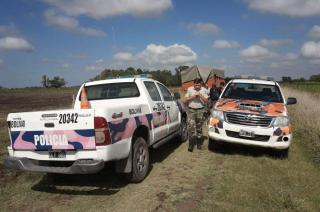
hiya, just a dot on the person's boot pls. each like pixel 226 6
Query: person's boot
pixel 199 143
pixel 191 144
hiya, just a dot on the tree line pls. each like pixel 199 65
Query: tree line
pixel 55 82
pixel 313 78
pixel 165 76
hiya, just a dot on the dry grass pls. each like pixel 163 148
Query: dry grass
pixel 234 178
pixel 306 120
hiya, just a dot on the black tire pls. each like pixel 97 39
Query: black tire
pixel 184 129
pixel 140 161
pixel 283 153
pixel 210 144
pixel 213 145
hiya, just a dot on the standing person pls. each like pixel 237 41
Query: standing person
pixel 213 97
pixel 196 98
pixel 213 94
pixel 221 87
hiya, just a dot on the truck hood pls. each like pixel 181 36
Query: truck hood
pixel 252 106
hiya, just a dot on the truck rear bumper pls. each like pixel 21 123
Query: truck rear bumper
pixel 77 167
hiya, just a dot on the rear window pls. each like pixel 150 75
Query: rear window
pixel 250 91
pixel 112 91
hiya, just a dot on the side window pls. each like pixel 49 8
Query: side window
pixel 165 93
pixel 153 91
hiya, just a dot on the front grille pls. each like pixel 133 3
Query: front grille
pixel 233 134
pixel 248 119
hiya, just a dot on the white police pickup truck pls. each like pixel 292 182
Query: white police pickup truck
pixel 112 120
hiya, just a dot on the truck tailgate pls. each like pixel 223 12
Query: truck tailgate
pixel 50 130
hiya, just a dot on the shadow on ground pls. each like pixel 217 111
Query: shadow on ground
pixel 236 149
pixel 106 182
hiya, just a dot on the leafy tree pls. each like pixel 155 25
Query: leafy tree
pixel 286 79
pixel 165 76
pixel 315 77
pixel 44 81
pixel 57 82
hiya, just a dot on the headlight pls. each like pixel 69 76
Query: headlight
pixel 281 122
pixel 217 114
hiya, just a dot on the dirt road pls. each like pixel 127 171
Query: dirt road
pixel 230 178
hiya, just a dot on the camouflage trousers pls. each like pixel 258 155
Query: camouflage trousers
pixel 195 122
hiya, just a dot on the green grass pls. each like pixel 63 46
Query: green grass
pixel 313 87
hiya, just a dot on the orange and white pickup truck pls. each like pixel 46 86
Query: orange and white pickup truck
pixel 252 112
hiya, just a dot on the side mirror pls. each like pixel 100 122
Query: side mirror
pixel 177 95
pixel 291 101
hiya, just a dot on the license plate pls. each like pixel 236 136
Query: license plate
pixel 248 134
pixel 57 154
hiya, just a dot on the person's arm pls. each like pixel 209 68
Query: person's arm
pixel 188 98
pixel 203 98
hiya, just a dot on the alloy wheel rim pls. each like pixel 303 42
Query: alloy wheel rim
pixel 141 159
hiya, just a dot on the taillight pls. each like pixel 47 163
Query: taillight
pixel 102 131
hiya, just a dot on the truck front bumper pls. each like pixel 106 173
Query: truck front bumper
pixel 77 167
pixel 273 141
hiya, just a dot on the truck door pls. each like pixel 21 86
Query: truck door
pixel 159 112
pixel 172 109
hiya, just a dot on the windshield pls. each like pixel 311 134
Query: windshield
pixel 112 91
pixel 250 91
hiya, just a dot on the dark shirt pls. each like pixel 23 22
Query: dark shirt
pixel 214 94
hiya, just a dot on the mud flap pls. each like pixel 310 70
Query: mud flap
pixel 125 165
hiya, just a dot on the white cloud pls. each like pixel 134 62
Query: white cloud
pixel 66 65
pixel 93 68
pixel 123 56
pixel 274 65
pixel 207 56
pixel 291 56
pixel 203 28
pixel 315 32
pixel 294 8
pixel 8 30
pixel 315 61
pixel 311 49
pixel 167 55
pixel 256 53
pixel 274 43
pixel 159 56
pixel 224 44
pixel 15 43
pixel 223 60
pixel 288 59
pixel 70 24
pixel 99 9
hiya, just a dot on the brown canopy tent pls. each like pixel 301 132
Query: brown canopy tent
pixel 208 75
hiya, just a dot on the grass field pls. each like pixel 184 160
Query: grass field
pixel 311 87
pixel 231 178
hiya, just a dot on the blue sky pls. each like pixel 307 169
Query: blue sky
pixel 77 39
